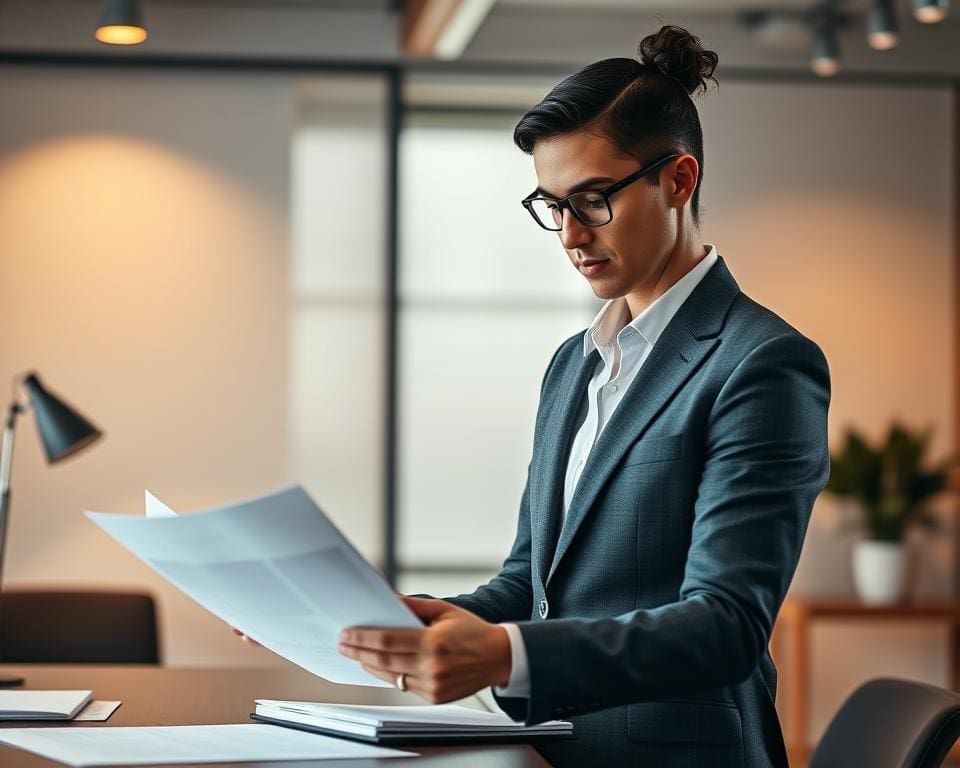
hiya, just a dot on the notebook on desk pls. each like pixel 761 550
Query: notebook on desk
pixel 445 723
pixel 42 705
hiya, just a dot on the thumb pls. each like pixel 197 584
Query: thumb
pixel 426 609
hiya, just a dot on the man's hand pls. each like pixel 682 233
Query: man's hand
pixel 455 656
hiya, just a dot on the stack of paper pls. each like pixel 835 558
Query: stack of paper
pixel 411 725
pixel 42 705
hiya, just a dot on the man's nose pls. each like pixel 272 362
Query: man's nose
pixel 573 233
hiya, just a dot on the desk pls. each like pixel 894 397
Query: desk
pixel 194 696
pixel 796 617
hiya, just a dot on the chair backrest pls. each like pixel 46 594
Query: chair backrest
pixel 889 723
pixel 78 628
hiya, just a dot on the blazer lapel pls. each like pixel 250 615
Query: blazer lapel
pixel 689 338
pixel 557 431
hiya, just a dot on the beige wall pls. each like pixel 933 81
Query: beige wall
pixel 143 273
pixel 833 206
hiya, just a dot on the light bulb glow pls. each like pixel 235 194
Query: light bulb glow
pixel 930 11
pixel 121 34
pixel 930 14
pixel 883 41
pixel 825 66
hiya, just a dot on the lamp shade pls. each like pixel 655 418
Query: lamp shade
pixel 121 23
pixel 825 58
pixel 931 11
pixel 882 26
pixel 62 430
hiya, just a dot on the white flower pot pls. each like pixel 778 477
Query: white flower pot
pixel 880 571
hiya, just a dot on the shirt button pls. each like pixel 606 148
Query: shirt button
pixel 613 387
pixel 544 608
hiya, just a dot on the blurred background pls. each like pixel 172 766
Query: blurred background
pixel 280 241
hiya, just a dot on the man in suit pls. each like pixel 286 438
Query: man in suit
pixel 679 445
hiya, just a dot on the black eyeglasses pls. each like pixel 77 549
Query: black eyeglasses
pixel 592 207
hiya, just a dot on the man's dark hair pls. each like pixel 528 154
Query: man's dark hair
pixel 643 107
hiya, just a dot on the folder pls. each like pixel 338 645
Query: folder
pixel 42 705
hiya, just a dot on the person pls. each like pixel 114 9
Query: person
pixel 680 442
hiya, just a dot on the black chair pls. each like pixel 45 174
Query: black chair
pixel 888 723
pixel 78 628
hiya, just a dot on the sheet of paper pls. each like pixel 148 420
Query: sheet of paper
pixel 98 710
pixel 156 508
pixel 275 568
pixel 185 744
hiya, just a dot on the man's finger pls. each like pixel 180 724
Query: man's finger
pixel 394 640
pixel 392 662
pixel 412 684
pixel 383 674
pixel 427 609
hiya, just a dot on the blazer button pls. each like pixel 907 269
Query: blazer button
pixel 544 608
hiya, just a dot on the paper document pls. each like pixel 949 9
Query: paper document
pixel 273 567
pixel 380 722
pixel 98 710
pixel 41 705
pixel 185 744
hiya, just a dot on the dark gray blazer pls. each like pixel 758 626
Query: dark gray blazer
pixel 646 620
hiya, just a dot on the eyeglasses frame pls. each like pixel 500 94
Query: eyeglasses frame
pixel 564 202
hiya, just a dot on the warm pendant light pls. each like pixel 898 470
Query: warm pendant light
pixel 121 23
pixel 825 57
pixel 882 28
pixel 931 11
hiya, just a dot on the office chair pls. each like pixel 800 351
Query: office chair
pixel 889 723
pixel 78 628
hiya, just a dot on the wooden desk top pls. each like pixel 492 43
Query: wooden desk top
pixel 840 607
pixel 196 696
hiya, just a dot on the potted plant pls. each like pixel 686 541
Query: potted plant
pixel 891 485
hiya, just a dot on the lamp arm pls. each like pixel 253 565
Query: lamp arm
pixel 6 453
pixel 6 457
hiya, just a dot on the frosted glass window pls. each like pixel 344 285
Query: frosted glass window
pixel 337 343
pixel 486 297
pixel 339 157
pixel 468 396
pixel 464 233
pixel 442 584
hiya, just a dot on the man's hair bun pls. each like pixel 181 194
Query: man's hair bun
pixel 678 54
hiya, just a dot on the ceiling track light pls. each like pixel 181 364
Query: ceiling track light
pixel 931 11
pixel 883 29
pixel 121 23
pixel 825 56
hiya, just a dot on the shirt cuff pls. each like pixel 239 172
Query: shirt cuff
pixel 519 684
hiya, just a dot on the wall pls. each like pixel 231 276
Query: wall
pixel 143 273
pixel 833 206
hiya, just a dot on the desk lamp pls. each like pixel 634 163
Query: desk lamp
pixel 63 432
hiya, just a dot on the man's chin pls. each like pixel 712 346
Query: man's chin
pixel 605 290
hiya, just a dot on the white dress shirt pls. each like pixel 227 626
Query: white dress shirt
pixel 623 345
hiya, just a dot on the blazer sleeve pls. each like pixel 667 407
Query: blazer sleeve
pixel 766 460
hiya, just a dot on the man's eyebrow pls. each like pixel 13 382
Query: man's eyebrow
pixel 578 187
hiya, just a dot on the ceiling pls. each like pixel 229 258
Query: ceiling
pixel 526 33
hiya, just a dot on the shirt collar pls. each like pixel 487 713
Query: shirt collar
pixel 615 315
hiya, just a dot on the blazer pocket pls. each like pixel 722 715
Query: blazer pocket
pixel 650 449
pixel 684 722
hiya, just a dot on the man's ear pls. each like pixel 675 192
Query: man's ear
pixel 680 178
